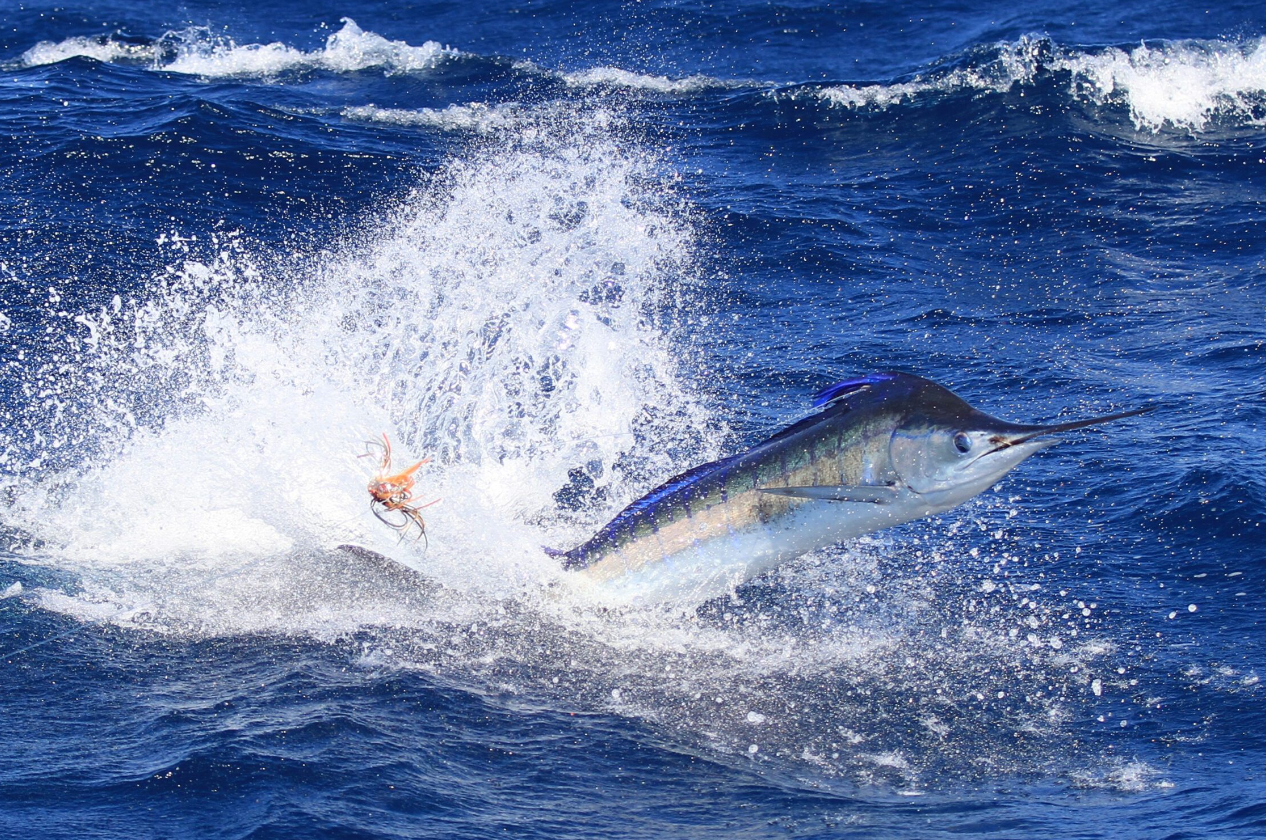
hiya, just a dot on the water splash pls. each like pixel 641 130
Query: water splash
pixel 506 319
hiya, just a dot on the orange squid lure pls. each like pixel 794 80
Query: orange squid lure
pixel 392 494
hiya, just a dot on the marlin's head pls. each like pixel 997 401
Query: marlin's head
pixel 946 451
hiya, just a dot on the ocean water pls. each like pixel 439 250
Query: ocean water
pixel 567 250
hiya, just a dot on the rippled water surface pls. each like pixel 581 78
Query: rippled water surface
pixel 567 251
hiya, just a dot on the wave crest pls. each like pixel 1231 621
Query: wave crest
pixel 477 117
pixel 196 51
pixel 1182 85
pixel 614 77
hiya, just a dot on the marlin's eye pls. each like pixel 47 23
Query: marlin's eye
pixel 962 442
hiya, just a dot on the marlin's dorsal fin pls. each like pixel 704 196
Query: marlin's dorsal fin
pixel 875 494
pixel 832 393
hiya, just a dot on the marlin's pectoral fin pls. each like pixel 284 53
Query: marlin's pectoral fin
pixel 876 494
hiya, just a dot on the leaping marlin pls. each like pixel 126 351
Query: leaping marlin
pixel 886 448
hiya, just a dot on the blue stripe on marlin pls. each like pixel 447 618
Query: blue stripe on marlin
pixel 885 449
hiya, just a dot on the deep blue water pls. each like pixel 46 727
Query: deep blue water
pixel 568 250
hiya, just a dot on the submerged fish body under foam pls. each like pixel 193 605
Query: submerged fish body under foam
pixel 886 449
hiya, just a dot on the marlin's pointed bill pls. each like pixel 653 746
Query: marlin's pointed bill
pixel 885 449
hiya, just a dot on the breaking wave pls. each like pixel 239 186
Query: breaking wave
pixel 1183 85
pixel 198 51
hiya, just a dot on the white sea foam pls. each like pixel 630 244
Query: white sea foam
pixel 1180 85
pixel 1015 64
pixel 101 48
pixel 197 51
pixel 478 117
pixel 1184 85
pixel 616 78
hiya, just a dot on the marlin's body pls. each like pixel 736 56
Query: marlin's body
pixel 886 449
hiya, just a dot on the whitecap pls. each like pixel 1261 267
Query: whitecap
pixel 100 48
pixel 615 77
pixel 197 51
pixel 1182 85
pixel 479 117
